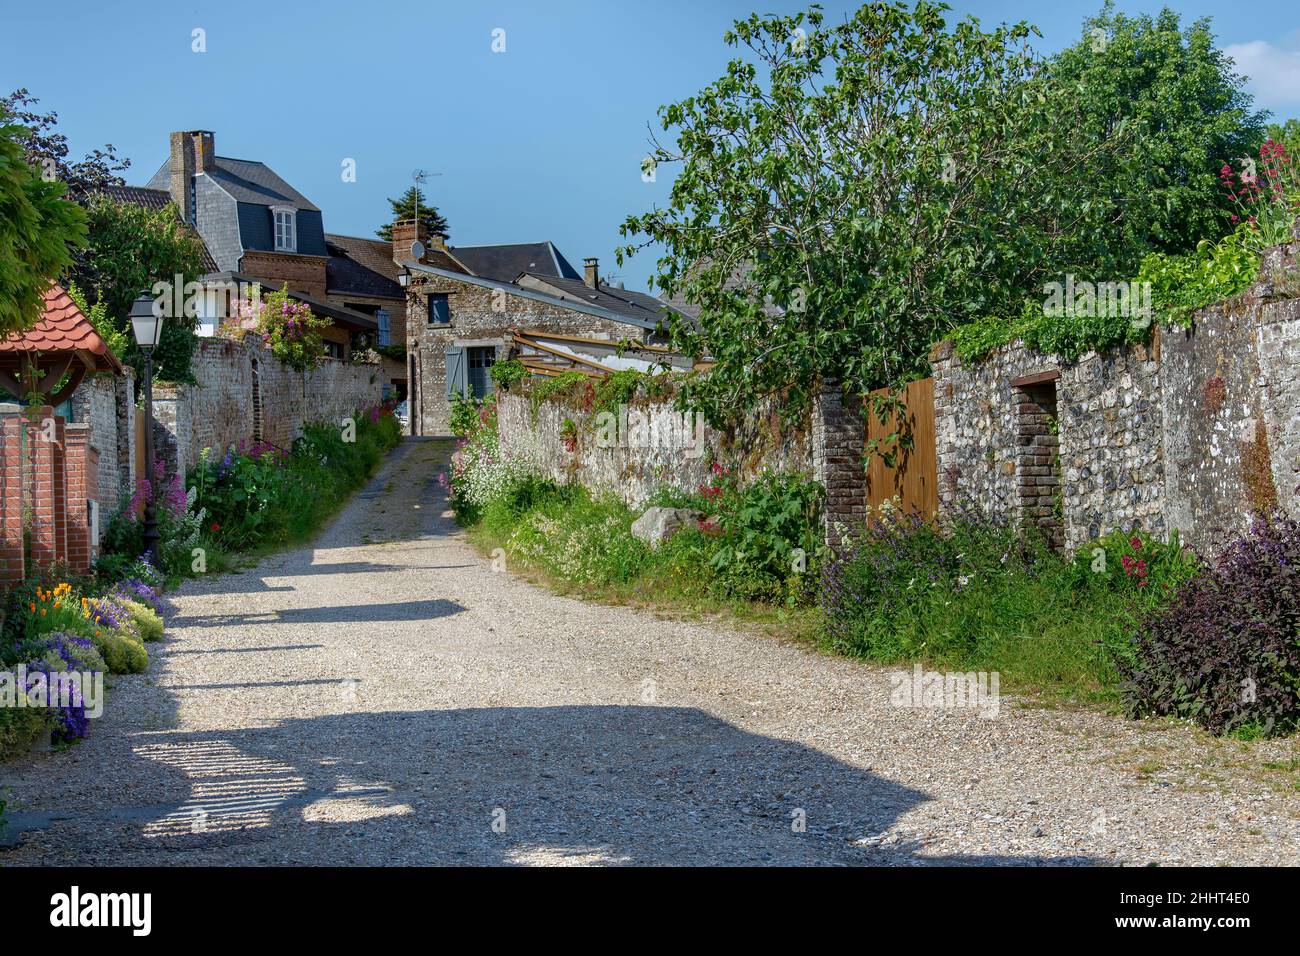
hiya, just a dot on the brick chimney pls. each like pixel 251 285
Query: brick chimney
pixel 192 152
pixel 590 273
pixel 407 231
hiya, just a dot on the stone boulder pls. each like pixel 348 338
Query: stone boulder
pixel 660 524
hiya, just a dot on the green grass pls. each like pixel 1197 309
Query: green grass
pixel 582 545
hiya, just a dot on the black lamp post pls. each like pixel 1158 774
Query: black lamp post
pixel 146 325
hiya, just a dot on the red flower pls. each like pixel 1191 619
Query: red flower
pixel 216 526
pixel 1135 543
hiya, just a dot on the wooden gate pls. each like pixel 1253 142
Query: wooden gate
pixel 913 478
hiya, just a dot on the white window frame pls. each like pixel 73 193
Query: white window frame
pixel 289 243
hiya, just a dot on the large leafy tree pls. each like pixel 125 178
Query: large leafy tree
pixel 38 231
pixel 1187 112
pixel 129 249
pixel 413 204
pixel 845 192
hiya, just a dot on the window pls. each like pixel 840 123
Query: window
pixel 333 349
pixel 286 239
pixel 480 361
pixel 382 318
pixel 439 308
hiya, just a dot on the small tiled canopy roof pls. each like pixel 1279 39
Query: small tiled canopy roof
pixel 62 343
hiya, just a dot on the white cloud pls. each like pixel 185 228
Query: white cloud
pixel 1274 72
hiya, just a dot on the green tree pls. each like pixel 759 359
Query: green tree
pixel 38 231
pixel 412 203
pixel 848 191
pixel 1187 113
pixel 130 248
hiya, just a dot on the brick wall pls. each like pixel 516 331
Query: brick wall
pixel 479 317
pixel 302 273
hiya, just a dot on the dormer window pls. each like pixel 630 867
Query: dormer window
pixel 286 231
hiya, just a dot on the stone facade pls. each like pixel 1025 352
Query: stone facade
pixel 1192 433
pixel 482 312
pixel 106 403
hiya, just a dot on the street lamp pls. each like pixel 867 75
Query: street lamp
pixel 146 325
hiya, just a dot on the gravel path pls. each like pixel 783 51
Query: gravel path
pixel 386 697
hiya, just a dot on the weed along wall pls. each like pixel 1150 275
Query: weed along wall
pixel 1192 432
pixel 633 449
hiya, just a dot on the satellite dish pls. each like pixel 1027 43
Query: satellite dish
pixel 417 250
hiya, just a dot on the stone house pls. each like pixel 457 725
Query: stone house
pixel 256 228
pixel 462 303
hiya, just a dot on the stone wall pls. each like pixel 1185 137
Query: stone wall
pixel 1192 433
pixel 1097 464
pixel 647 446
pixel 106 404
pixel 242 394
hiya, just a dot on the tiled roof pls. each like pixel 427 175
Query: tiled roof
pixel 361 267
pixel 153 199
pixel 63 328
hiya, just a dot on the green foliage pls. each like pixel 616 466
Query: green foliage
pixel 845 254
pixel 1183 111
pixel 117 340
pixel 286 326
pixel 983 597
pixel 396 351
pixel 261 497
pixel 123 654
pixel 38 231
pixel 148 623
pixel 20 727
pixel 770 532
pixel 1180 284
pixel 467 415
pixel 129 250
pixel 504 374
pixel 412 204
pixel 1215 271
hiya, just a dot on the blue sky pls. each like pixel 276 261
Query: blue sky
pixel 542 141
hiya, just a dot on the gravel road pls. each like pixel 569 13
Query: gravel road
pixel 386 697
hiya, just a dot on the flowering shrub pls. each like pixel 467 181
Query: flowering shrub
pixel 1226 653
pixel 179 523
pixel 1266 194
pixel 257 494
pixel 286 326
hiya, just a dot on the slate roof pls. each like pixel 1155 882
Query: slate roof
pixel 152 199
pixel 253 182
pixel 63 328
pixel 634 305
pixel 505 263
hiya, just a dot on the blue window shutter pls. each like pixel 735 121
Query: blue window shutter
pixel 457 378
pixel 381 317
